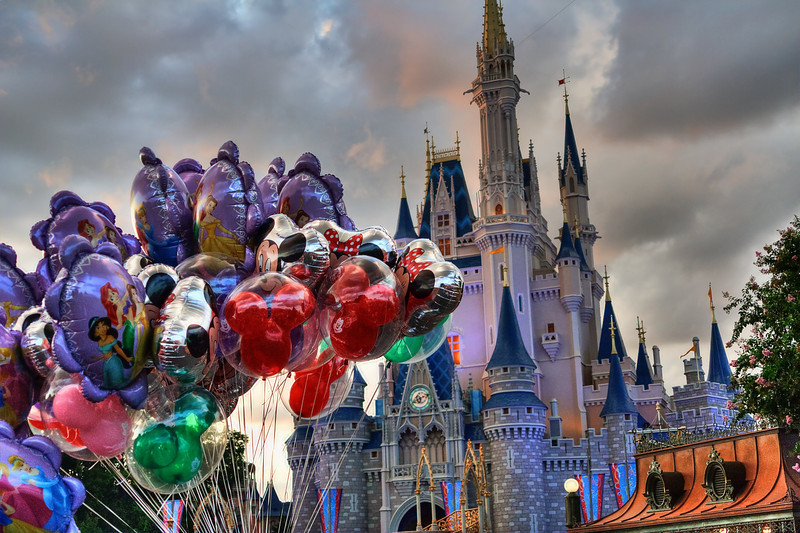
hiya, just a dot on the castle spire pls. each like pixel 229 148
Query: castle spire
pixel 607 347
pixel 494 31
pixel 719 370
pixel 509 350
pixel 405 226
pixel 618 401
pixel 644 375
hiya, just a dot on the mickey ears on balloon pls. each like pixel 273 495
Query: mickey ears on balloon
pixel 159 280
pixel 188 164
pixel 148 157
pixel 46 447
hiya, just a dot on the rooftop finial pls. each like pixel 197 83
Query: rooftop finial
pixel 577 229
pixel 605 277
pixel 563 81
pixel 458 145
pixel 402 183
pixel 564 210
pixel 641 330
pixel 711 303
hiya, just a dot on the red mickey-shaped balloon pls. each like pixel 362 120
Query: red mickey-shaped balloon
pixel 314 390
pixel 362 308
pixel 264 310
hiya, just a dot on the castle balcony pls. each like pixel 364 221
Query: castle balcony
pixel 497 219
pixel 551 342
pixel 441 471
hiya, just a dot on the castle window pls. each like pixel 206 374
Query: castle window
pixel 444 246
pixel 435 444
pixel 443 221
pixel 409 442
pixel 454 340
pixel 505 410
pixel 661 488
pixel 551 328
pixel 331 426
pixel 572 185
pixel 498 209
pixel 374 455
pixel 354 425
pixel 505 370
pixel 529 410
pixel 519 300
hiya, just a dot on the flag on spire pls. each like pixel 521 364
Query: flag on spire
pixel 562 81
pixel 692 349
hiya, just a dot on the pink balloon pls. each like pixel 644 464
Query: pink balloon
pixel 102 426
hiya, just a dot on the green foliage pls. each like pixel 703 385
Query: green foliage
pixel 767 334
pixel 103 490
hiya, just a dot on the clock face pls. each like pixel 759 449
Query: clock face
pixel 420 398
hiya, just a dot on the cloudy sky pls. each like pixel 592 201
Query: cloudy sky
pixel 689 113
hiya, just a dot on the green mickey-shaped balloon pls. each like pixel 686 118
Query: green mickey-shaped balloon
pixel 171 450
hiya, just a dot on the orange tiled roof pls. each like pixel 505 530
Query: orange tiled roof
pixel 769 487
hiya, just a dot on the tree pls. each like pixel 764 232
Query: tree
pixel 766 373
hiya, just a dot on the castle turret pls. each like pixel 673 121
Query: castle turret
pixel 338 440
pixel 405 232
pixel 619 412
pixel 574 186
pixel 514 423
pixel 303 461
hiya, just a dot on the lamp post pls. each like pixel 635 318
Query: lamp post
pixel 572 502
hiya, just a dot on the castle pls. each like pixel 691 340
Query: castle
pixel 529 328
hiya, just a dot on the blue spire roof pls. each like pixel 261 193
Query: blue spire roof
pixel 441 368
pixel 567 248
pixel 358 379
pixel 579 249
pixel 643 376
pixel 571 153
pixel 719 370
pixel 464 214
pixel 617 400
pixel 604 350
pixel 272 506
pixel 405 226
pixel 509 350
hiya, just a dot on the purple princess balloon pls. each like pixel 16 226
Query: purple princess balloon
pixel 70 215
pixel 18 291
pixel 191 172
pixel 161 213
pixel 101 328
pixel 269 185
pixel 306 195
pixel 16 385
pixel 228 209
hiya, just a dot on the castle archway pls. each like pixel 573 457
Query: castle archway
pixel 405 517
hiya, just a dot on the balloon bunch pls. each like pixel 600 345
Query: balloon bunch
pixel 140 346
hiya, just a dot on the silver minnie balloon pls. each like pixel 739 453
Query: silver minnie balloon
pixel 37 331
pixel 373 241
pixel 227 383
pixel 159 280
pixel 136 263
pixel 433 287
pixel 186 332
pixel 302 253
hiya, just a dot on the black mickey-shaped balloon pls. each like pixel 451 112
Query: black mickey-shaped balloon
pixel 283 247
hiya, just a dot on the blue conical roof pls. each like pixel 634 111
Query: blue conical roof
pixel 719 370
pixel 604 350
pixel 567 248
pixel 451 172
pixel 579 249
pixel 571 152
pixel 405 226
pixel 272 506
pixel 617 400
pixel 643 376
pixel 358 379
pixel 509 350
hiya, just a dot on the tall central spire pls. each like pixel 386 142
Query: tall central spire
pixel 494 31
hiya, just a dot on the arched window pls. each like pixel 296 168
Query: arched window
pixel 434 442
pixel 409 442
pixel 572 185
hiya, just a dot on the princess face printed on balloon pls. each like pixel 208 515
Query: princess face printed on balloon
pixel 300 217
pixel 214 237
pixel 87 230
pixel 111 350
pixel 12 312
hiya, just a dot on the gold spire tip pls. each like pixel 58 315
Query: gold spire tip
pixel 605 277
pixel 611 328
pixel 402 182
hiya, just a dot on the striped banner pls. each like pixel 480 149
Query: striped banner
pixel 330 502
pixel 171 511
pixel 451 496
pixel 623 476
pixel 591 496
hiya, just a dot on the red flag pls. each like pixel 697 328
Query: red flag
pixel 562 81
